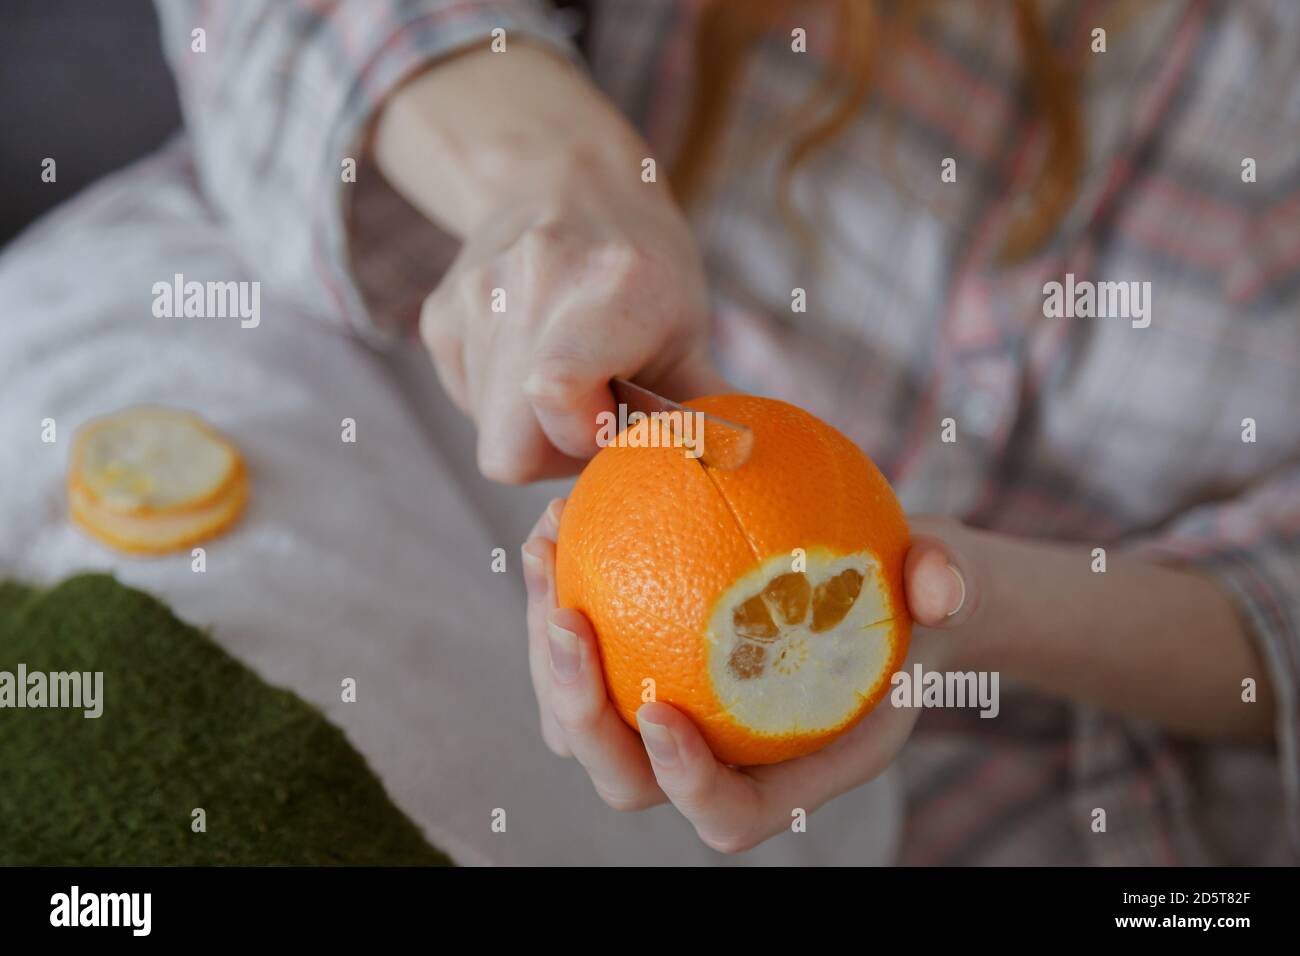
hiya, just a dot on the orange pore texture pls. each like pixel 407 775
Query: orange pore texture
pixel 649 539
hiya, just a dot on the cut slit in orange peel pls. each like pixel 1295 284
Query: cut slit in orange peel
pixel 150 480
pixel 766 602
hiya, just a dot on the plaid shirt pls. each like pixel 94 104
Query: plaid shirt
pixel 1076 429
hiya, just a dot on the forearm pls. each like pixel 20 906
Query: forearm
pixel 463 138
pixel 1141 639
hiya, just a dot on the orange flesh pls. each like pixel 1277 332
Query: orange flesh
pixel 786 599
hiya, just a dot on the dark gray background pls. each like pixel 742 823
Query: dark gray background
pixel 83 82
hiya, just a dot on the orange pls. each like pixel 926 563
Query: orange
pixel 149 480
pixel 765 602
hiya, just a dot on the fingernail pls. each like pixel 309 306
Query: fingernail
pixel 659 742
pixel 564 652
pixel 961 602
pixel 534 575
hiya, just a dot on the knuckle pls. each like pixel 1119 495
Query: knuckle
pixel 496 464
pixel 554 380
pixel 577 714
pixel 433 310
pixel 694 793
pixel 543 242
pixel 621 800
pixel 549 232
pixel 561 750
pixel 728 842
pixel 439 336
pixel 555 742
pixel 475 286
pixel 620 257
pixel 632 271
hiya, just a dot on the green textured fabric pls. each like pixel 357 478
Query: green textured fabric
pixel 184 726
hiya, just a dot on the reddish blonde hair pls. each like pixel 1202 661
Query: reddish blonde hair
pixel 728 30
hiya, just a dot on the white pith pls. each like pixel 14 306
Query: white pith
pixel 153 459
pixel 810 681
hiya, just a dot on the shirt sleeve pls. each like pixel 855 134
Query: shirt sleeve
pixel 278 96
pixel 1250 545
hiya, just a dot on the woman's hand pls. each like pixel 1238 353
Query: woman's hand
pixel 598 280
pixel 573 270
pixel 732 809
pixel 1145 640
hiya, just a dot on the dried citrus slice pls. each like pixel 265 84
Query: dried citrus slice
pixel 149 480
pixel 766 601
pixel 149 460
pixel 159 533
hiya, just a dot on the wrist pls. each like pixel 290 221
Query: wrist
pixel 484 132
pixel 1027 591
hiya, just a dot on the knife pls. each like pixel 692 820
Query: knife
pixel 724 445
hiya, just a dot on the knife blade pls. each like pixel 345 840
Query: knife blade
pixel 724 444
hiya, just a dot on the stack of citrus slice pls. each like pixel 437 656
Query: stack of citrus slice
pixel 150 480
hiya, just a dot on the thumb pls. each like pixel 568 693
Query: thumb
pixel 941 584
pixel 566 399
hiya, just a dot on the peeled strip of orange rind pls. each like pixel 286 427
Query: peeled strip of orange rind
pixel 209 491
pixel 160 534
